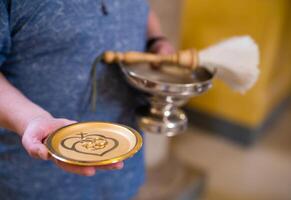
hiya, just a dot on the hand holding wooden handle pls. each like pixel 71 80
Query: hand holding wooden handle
pixel 187 58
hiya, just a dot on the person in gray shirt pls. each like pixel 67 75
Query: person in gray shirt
pixel 47 48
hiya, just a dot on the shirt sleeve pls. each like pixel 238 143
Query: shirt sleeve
pixel 5 40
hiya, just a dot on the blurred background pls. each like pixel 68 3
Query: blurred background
pixel 237 147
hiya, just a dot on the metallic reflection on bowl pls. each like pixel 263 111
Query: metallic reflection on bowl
pixel 168 89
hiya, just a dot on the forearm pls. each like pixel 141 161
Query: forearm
pixel 154 27
pixel 16 111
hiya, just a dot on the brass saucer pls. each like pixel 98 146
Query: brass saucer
pixel 93 143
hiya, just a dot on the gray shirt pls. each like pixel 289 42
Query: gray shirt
pixel 47 48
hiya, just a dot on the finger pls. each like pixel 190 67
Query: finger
pixel 84 171
pixel 59 123
pixel 115 166
pixel 165 49
pixel 68 122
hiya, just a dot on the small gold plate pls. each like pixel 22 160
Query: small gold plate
pixel 93 143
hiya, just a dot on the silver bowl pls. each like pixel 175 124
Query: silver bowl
pixel 167 91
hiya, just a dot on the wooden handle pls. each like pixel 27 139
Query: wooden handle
pixel 187 58
pixel 130 57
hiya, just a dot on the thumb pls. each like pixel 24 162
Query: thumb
pixel 35 148
pixel 37 133
pixel 42 149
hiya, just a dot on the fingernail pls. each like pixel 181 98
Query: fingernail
pixel 39 154
pixel 90 172
pixel 119 166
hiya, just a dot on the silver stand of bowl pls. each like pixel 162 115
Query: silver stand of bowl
pixel 166 97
